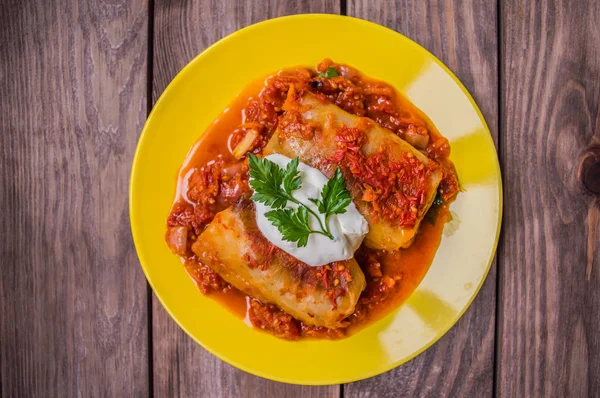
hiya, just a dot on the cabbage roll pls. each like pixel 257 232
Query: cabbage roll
pixel 233 246
pixel 392 184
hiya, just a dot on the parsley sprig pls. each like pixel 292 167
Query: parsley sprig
pixel 273 186
pixel 329 73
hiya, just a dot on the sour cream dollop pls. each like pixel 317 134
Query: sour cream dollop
pixel 348 229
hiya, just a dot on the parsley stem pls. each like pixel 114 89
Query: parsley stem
pixel 324 228
pixel 322 233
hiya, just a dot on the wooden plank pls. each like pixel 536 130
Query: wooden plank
pixel 181 31
pixel 548 341
pixel 463 35
pixel 73 299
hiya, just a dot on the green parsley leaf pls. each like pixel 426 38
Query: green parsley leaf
pixel 335 198
pixel 331 72
pixel 291 177
pixel 292 224
pixel 273 186
pixel 266 178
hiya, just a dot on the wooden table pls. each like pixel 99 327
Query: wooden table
pixel 77 80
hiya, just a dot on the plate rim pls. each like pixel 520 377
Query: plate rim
pixel 233 362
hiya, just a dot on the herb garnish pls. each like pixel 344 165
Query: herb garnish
pixel 329 73
pixel 273 186
pixel 334 196
pixel 438 201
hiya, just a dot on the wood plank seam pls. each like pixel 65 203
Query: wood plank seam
pixel 149 105
pixel 500 126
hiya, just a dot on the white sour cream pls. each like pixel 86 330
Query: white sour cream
pixel 348 229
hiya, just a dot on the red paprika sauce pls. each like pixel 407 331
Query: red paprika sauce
pixel 212 179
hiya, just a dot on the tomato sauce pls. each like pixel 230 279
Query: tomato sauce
pixel 214 176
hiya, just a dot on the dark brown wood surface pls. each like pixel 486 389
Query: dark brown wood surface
pixel 77 79
pixel 182 367
pixel 463 35
pixel 549 312
pixel 73 299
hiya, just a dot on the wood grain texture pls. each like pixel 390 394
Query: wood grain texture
pixel 463 34
pixel 548 337
pixel 73 318
pixel 182 29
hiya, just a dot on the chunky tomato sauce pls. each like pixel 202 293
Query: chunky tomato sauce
pixel 379 176
pixel 215 175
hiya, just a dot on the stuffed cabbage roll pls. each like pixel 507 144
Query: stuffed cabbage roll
pixel 233 246
pixel 392 184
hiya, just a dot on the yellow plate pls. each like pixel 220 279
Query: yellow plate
pixel 200 92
